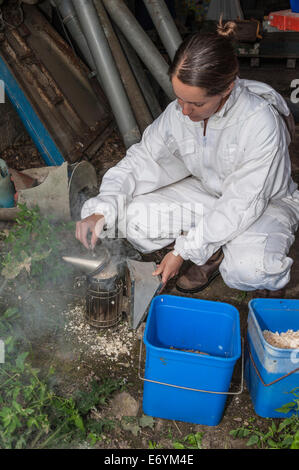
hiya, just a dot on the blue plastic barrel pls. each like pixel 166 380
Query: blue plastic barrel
pixel 294 6
pixel 7 189
pixel 271 373
pixel 178 330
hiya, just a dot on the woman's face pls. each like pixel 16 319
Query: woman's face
pixel 195 103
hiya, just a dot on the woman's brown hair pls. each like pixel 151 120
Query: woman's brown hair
pixel 208 60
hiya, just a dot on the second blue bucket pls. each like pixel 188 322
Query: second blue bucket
pixel 271 373
pixel 178 330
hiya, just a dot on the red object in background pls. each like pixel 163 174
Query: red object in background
pixel 285 20
pixel 21 181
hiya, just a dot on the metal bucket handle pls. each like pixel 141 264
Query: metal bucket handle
pixel 259 375
pixel 193 389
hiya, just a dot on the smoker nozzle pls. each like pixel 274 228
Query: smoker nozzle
pixel 90 264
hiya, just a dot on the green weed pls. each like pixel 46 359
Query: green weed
pixel 33 246
pixel 191 441
pixel 282 435
pixel 32 415
pixel 154 445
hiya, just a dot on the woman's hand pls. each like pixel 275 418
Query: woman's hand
pixel 169 267
pixel 93 223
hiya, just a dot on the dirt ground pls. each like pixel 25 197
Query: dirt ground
pixel 76 364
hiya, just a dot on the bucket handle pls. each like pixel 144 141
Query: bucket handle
pixel 194 389
pixel 259 375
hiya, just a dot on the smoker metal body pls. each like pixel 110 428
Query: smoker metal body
pixel 104 297
pixel 113 288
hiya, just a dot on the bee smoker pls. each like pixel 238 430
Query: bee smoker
pixel 104 298
pixel 116 287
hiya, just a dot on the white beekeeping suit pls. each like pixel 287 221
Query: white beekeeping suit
pixel 240 174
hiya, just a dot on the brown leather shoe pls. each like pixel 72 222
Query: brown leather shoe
pixel 270 294
pixel 196 278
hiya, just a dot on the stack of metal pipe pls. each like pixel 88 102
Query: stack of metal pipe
pixel 117 49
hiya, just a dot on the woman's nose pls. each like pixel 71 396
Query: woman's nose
pixel 186 109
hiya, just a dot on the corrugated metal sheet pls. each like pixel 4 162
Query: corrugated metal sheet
pixel 65 111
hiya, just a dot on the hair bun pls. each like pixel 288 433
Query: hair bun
pixel 228 29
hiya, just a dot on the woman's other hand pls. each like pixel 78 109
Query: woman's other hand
pixel 169 267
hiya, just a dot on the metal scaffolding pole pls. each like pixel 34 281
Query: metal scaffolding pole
pixel 107 70
pixel 70 20
pixel 165 25
pixel 140 41
pixel 140 76
pixel 138 104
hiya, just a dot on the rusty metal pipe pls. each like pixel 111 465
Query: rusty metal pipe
pixel 107 70
pixel 138 104
pixel 165 25
pixel 141 42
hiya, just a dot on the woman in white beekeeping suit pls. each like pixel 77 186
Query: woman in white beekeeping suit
pixel 212 174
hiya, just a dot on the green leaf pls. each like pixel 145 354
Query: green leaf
pixel 244 432
pixel 287 442
pixel 272 444
pixel 79 423
pixel 16 392
pixel 253 440
pixel 273 426
pixel 10 343
pixel 178 445
pixel 286 408
pixel 146 421
pixel 20 361
pixel 93 438
pixel 10 312
pixel 283 424
pixel 128 423
pixel 21 443
pixel 32 422
pixel 17 407
pixel 295 443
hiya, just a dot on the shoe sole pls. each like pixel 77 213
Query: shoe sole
pixel 198 289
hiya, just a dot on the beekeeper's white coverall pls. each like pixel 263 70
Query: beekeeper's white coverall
pixel 238 174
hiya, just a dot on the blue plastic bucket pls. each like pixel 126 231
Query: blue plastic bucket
pixel 294 6
pixel 174 325
pixel 7 189
pixel 271 373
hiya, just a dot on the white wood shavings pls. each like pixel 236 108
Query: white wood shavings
pixel 110 343
pixel 286 340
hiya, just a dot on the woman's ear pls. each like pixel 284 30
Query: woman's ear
pixel 229 89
